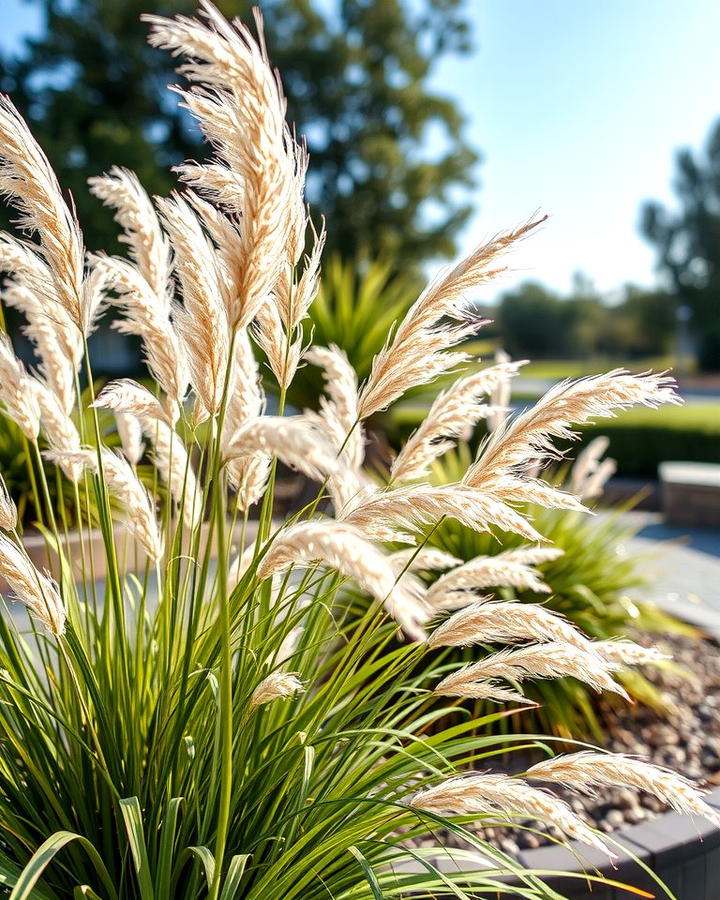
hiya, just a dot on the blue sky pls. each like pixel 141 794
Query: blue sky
pixel 578 107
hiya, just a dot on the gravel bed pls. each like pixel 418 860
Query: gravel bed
pixel 687 739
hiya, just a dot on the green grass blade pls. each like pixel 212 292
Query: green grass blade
pixel 132 815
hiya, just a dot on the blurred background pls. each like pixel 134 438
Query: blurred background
pixel 432 124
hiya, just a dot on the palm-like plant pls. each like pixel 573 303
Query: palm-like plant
pixel 214 726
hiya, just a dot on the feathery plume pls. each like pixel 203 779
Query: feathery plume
pixel 488 794
pixel 277 685
pixel 123 483
pixel 419 350
pixel 127 396
pixel 171 459
pixel 246 400
pixel 506 621
pixel 424 558
pixel 628 653
pixel 339 410
pixel 147 316
pixel 121 190
pixel 502 570
pixel 345 549
pixel 588 769
pixel 590 471
pixel 489 689
pixel 528 439
pixel 421 505
pixel 130 433
pixel 282 353
pixel 58 428
pixel 27 178
pixel 294 297
pixel 57 341
pixel 37 591
pixel 293 439
pixel 200 321
pixel 8 510
pixel 453 415
pixel 501 391
pixel 16 391
pixel 238 103
pixel 556 659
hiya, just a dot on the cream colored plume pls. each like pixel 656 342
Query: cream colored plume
pixel 16 391
pixel 278 685
pixel 414 507
pixel 589 769
pixel 246 400
pixel 292 439
pixel 171 459
pixel 345 549
pixel 8 510
pixel 294 296
pixel 453 415
pixel 58 428
pixel 239 106
pixel 120 189
pixel 37 591
pixel 28 179
pixel 283 353
pixel 339 409
pixel 127 396
pixel 122 482
pixel 528 439
pixel 420 348
pixel 56 339
pixel 506 622
pixel 130 433
pixel 493 795
pixel 507 569
pixel 557 659
pixel 628 653
pixel 201 321
pixel 590 472
pixel 147 316
pixel 501 391
pixel 416 559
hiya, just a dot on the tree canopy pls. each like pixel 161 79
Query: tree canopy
pixel 389 159
pixel 688 243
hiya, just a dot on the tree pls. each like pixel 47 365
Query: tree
pixel 356 75
pixel 688 243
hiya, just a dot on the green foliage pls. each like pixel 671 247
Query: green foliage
pixel 356 75
pixel 589 584
pixel 639 442
pixel 687 241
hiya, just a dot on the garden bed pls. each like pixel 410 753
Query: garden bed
pixel 684 853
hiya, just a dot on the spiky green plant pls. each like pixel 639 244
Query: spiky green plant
pixel 206 722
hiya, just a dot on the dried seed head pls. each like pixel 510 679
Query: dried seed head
pixel 37 591
pixel 275 686
pixel 343 548
pixel 8 510
pixel 511 798
pixel 589 769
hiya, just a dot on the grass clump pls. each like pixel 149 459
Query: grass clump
pixel 211 724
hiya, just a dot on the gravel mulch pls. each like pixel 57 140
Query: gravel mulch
pixel 687 740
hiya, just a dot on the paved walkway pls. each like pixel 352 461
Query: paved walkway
pixel 683 562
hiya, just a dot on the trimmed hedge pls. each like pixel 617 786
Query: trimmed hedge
pixel 640 439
